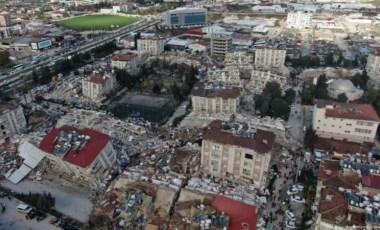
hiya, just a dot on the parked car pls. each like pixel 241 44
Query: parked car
pixel 292 191
pixel 297 199
pixel 24 208
pixel 290 215
pixel 299 187
pixel 290 224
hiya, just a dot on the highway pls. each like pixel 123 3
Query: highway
pixel 14 76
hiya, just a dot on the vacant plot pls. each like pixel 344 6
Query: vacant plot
pixel 97 22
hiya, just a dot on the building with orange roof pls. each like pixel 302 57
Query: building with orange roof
pixel 97 86
pixel 345 121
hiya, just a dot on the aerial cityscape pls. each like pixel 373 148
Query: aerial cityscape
pixel 189 115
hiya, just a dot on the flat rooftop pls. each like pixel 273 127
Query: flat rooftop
pixel 145 100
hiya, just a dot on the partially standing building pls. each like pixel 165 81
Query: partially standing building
pixel 233 150
pixel 186 17
pixel 12 120
pixel 85 154
pixel 207 98
pixel 373 65
pixel 342 121
pixel 221 43
pixel 270 57
pixel 96 87
pixel 299 20
pixel 151 43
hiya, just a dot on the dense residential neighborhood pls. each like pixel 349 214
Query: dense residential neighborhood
pixel 182 115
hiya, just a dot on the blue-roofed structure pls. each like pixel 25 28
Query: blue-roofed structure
pixel 365 169
pixel 371 218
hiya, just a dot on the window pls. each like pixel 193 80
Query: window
pixel 2 127
pixel 215 155
pixel 214 163
pixel 246 172
pixel 248 156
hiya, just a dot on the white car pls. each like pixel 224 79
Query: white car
pixel 290 215
pixel 292 191
pixel 297 199
pixel 299 187
pixel 290 224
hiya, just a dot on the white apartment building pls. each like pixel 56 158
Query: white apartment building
pixel 228 75
pixel 299 20
pixel 208 31
pixel 126 62
pixel 229 150
pixel 95 87
pixel 239 58
pixel 86 154
pixel 12 120
pixel 373 65
pixel 343 121
pixel 151 43
pixel 269 57
pixel 221 43
pixel 210 99
pixel 259 79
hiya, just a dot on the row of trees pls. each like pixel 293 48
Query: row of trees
pixel 4 58
pixel 271 103
pixel 314 61
pixel 43 201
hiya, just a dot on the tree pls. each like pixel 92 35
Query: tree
pixel 4 58
pixel 342 98
pixel 310 138
pixel 289 96
pixel 35 78
pixel 361 80
pixel 329 60
pixel 279 108
pixel 156 89
pixel 272 90
pixel 176 93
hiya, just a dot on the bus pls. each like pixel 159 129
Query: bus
pixel 18 67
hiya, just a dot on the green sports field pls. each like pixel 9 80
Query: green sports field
pixel 97 22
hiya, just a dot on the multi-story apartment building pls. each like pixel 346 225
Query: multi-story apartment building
pixel 214 99
pixel 126 62
pixel 186 17
pixel 239 59
pixel 228 75
pixel 269 57
pixel 5 19
pixel 151 43
pixel 299 20
pixel 86 153
pixel 259 79
pixel 96 87
pixel 221 43
pixel 12 120
pixel 229 149
pixel 342 121
pixel 373 64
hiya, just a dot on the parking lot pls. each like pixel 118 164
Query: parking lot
pixel 12 219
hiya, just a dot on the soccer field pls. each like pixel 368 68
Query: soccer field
pixel 97 22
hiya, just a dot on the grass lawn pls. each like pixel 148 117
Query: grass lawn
pixel 97 22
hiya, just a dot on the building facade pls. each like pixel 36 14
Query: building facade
pixel 209 99
pixel 5 19
pixel 227 151
pixel 238 58
pixel 186 17
pixel 342 121
pixel 126 62
pixel 299 20
pixel 221 43
pixel 269 57
pixel 373 64
pixel 12 120
pixel 96 87
pixel 86 154
pixel 151 44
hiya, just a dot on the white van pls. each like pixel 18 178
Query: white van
pixel 24 208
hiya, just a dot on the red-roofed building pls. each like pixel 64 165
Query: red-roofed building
pixel 371 183
pixel 345 121
pixel 83 153
pixel 242 216
pixel 95 87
